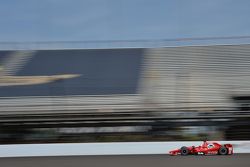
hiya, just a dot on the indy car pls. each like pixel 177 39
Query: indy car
pixel 206 148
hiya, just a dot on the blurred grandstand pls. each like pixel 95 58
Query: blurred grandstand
pixel 137 93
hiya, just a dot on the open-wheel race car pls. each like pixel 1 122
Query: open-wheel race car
pixel 206 148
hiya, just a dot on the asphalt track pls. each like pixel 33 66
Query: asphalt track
pixel 236 160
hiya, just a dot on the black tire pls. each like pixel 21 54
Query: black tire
pixel 223 151
pixel 184 150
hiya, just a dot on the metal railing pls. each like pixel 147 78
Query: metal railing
pixel 105 44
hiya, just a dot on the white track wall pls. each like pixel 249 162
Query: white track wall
pixel 126 148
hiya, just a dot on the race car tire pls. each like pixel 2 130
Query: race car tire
pixel 184 150
pixel 223 151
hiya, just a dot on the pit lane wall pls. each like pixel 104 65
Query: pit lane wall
pixel 124 148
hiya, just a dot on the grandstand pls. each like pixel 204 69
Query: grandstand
pixel 153 92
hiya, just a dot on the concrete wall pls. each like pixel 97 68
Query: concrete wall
pixel 126 148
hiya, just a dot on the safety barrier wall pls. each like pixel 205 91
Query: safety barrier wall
pixel 124 148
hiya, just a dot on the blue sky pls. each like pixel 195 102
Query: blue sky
pixel 83 20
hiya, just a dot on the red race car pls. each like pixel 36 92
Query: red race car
pixel 206 148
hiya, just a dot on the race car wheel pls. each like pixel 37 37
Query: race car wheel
pixel 184 150
pixel 223 151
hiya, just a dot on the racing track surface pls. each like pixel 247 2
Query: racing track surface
pixel 237 160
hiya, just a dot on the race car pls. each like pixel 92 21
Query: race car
pixel 206 148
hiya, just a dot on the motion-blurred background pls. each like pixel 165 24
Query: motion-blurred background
pixel 134 70
pixel 125 94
